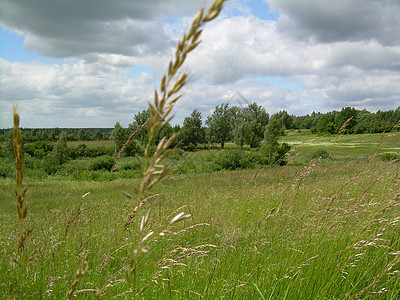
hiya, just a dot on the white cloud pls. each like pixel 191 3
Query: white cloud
pixel 341 53
pixel 63 94
pixel 341 20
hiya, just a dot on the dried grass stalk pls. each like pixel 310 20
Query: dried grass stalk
pixel 20 193
pixel 78 275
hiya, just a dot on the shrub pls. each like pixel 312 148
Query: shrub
pixel 321 153
pixel 132 165
pixel 177 154
pixel 50 164
pixel 185 167
pixel 233 160
pixel 39 149
pixel 7 168
pixel 102 163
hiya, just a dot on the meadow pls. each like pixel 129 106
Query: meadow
pixel 313 229
pixel 223 225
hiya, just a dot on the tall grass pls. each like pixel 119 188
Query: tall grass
pixel 135 238
pixel 337 235
pixel 317 231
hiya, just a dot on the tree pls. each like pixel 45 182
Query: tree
pixel 326 124
pixel 139 119
pixel 192 131
pixel 58 156
pixel 97 136
pixel 119 136
pixel 273 131
pixel 251 125
pixel 61 151
pixel 220 124
pixel 284 118
pixel 8 145
pixel 348 113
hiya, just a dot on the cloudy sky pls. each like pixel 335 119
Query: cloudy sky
pixel 74 63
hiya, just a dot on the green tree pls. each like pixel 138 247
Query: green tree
pixel 97 136
pixel 285 119
pixel 61 151
pixel 119 136
pixel 82 135
pixel 192 131
pixel 274 151
pixel 326 124
pixel 58 156
pixel 220 124
pixel 139 119
pixel 8 145
pixel 348 113
pixel 251 125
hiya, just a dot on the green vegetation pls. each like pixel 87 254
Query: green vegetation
pixel 324 225
pixel 288 233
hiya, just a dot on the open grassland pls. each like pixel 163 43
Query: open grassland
pixel 341 148
pixel 319 231
pixel 106 143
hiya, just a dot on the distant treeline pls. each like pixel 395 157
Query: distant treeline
pixel 53 134
pixel 361 121
pixel 238 124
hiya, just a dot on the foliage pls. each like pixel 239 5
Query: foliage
pixel 285 119
pixel 274 234
pixel 60 155
pixel 102 163
pixel 119 136
pixel 321 153
pixel 39 149
pixel 326 124
pixel 348 113
pixel 60 152
pixel 220 124
pixel 192 132
pixel 7 149
pixel 250 126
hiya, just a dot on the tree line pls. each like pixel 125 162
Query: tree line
pixel 253 126
pixel 30 135
pixel 250 125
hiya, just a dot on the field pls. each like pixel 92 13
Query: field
pixel 314 229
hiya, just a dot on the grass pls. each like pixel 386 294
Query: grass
pixel 275 239
pixel 313 231
pixel 106 143
pixel 355 147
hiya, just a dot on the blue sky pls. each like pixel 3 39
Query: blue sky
pixel 93 64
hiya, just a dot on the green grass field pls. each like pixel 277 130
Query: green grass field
pixel 344 148
pixel 327 229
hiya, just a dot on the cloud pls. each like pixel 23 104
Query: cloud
pixel 80 94
pixel 341 53
pixel 342 20
pixel 335 74
pixel 72 28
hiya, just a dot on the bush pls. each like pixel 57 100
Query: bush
pixel 39 149
pixel 50 164
pixel 185 167
pixel 7 168
pixel 235 160
pixel 99 151
pixel 177 154
pixel 321 153
pixel 102 163
pixel 132 165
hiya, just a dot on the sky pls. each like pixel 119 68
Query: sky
pixel 92 63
